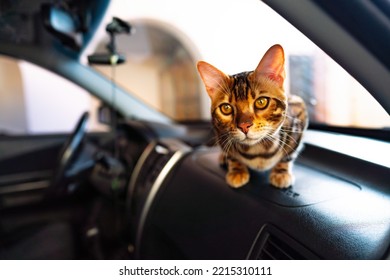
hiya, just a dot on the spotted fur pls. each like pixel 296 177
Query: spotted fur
pixel 257 125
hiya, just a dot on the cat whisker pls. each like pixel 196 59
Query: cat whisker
pixel 297 131
pixel 290 138
pixel 282 144
pixel 226 142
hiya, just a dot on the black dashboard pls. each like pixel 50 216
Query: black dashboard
pixel 178 206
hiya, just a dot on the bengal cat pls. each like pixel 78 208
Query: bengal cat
pixel 257 125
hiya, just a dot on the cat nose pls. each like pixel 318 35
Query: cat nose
pixel 244 126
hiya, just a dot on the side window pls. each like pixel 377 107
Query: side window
pixel 36 101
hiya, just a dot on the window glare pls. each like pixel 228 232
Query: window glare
pixel 232 35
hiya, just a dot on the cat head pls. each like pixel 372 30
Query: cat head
pixel 250 106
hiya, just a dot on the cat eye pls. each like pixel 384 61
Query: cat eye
pixel 261 103
pixel 226 109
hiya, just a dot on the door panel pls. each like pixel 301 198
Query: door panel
pixel 26 166
pixel 26 154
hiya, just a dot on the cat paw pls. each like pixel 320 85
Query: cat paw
pixel 237 179
pixel 281 180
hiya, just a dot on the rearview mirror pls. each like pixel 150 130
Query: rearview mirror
pixel 63 24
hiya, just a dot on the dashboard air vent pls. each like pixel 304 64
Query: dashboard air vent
pixel 273 244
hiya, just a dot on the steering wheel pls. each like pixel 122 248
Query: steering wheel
pixel 67 155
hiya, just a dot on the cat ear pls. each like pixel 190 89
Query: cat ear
pixel 272 65
pixel 213 78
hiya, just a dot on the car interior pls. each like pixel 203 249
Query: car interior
pixel 147 186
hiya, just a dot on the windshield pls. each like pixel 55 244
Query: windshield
pixel 171 36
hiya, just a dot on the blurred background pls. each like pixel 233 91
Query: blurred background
pixel 163 52
pixel 161 67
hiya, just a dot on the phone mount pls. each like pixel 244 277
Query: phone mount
pixel 115 27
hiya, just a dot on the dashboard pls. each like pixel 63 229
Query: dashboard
pixel 178 206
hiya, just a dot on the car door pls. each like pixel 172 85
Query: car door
pixel 38 112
